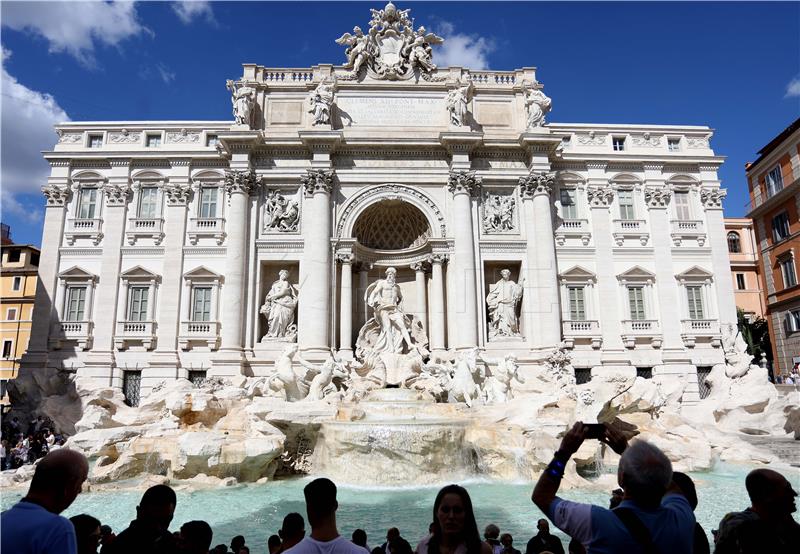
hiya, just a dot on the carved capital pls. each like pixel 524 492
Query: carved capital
pixel 56 196
pixel 364 266
pixel 464 182
pixel 599 196
pixel 657 197
pixel 177 195
pixel 116 194
pixel 244 181
pixel 712 197
pixel 418 266
pixel 438 258
pixel 345 258
pixel 317 180
pixel 536 184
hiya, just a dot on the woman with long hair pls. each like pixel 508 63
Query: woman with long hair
pixel 454 530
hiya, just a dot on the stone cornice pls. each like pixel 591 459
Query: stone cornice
pixel 464 182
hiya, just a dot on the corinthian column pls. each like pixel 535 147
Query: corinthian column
pixel 437 303
pixel 314 308
pixel 422 294
pixel 238 186
pixel 542 268
pixel 464 185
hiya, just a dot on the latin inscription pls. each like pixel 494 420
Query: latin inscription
pixel 391 111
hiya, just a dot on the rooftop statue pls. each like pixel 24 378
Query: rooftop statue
pixel 243 99
pixel 537 105
pixel 391 49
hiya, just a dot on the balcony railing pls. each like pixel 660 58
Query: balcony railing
pixel 573 228
pixel 77 331
pixel 581 330
pixel 700 328
pixel 631 228
pixel 135 331
pixel 199 332
pixel 79 227
pixel 633 329
pixel 145 227
pixel 687 229
pixel 206 227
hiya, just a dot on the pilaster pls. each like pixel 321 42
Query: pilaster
pixel 711 196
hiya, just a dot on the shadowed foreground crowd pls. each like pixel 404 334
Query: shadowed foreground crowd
pixel 652 512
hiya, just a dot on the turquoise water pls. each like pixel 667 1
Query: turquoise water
pixel 256 511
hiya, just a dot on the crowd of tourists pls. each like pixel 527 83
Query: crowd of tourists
pixel 19 447
pixel 651 512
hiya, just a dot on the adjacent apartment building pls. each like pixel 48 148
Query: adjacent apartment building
pixel 19 267
pixel 745 268
pixel 774 181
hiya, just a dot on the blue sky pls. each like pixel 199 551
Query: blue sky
pixel 732 66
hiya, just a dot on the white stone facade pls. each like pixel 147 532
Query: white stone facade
pixel 159 246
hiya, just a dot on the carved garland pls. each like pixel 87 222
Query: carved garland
pixel 393 190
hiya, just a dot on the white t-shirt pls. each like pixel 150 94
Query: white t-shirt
pixel 339 545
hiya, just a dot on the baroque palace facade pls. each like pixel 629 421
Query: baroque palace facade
pixel 164 242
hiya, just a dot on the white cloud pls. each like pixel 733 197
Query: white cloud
pixel 76 27
pixel 166 75
pixel 28 117
pixel 189 10
pixel 468 51
pixel 157 71
pixel 793 88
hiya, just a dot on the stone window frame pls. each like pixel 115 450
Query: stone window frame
pixel 791 321
pixel 689 185
pixel 148 135
pixel 578 276
pixel 698 276
pixel 622 140
pixel 17 283
pixel 8 314
pixel 638 276
pixel 737 241
pixel 572 181
pixel 775 238
pixel 140 183
pixel 628 182
pixel 103 139
pixel 779 184
pixel 139 276
pixel 782 260
pixel 207 135
pixel 201 276
pixel 673 141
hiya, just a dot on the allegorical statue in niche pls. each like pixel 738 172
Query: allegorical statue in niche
pixel 320 102
pixel 457 100
pixel 243 100
pixel 385 298
pixel 279 307
pixel 502 301
pixel 537 105
pixel 280 214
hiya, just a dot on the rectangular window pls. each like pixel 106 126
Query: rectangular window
pixel 131 385
pixel 583 375
pixel 625 200
pixel 793 320
pixel 568 208
pixel 8 346
pixel 674 144
pixel 197 376
pixel 212 140
pixel 11 314
pixel 76 304
pixel 87 205
pixel 774 180
pixel 148 207
pixel 137 305
pixel 618 143
pixel 682 210
pixel 95 141
pixel 740 283
pixel 16 284
pixel 201 304
pixel 636 303
pixel 694 295
pixel 577 304
pixel 644 372
pixel 789 275
pixel 702 375
pixel 780 226
pixel 208 202
pixel 13 255
pixel 153 141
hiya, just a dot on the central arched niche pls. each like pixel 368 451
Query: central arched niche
pixel 392 225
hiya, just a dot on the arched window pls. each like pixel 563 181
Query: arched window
pixel 734 243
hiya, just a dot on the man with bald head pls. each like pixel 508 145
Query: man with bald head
pixel 33 526
pixel 767 525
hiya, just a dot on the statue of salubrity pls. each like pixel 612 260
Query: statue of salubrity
pixel 279 307
pixel 243 99
pixel 320 102
pixel 502 301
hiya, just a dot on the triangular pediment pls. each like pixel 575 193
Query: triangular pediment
pixel 695 273
pixel 201 272
pixel 76 272
pixel 577 272
pixel 636 273
pixel 138 272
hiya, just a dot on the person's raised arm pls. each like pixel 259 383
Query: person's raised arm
pixel 547 486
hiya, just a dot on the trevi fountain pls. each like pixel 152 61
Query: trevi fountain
pixel 468 375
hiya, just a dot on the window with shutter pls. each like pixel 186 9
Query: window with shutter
pixel 694 295
pixel 636 303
